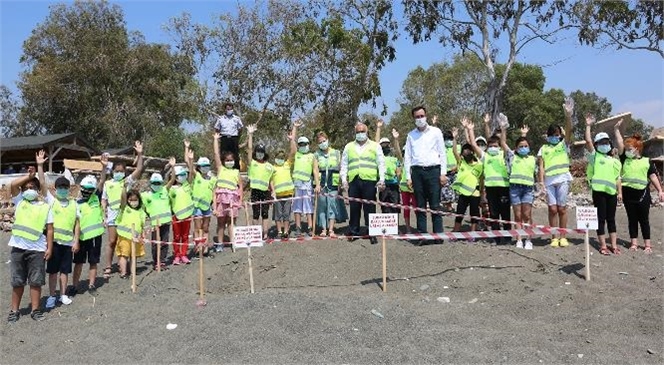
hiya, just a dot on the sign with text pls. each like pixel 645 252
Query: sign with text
pixel 383 224
pixel 246 236
pixel 586 218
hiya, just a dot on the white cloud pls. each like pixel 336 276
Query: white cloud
pixel 651 111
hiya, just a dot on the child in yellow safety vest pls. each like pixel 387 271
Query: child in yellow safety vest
pixel 66 231
pixel 131 220
pixel 228 193
pixel 468 184
pixel 31 241
pixel 202 190
pixel 305 166
pixel 260 173
pixel 182 205
pixel 282 188
pixel 157 204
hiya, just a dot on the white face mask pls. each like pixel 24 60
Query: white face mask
pixel 303 149
pixel 229 164
pixel 279 161
pixel 493 151
pixel 323 145
pixel 630 153
pixel 30 194
pixel 181 178
pixel 260 155
pixel 421 122
pixel 361 136
pixel 133 203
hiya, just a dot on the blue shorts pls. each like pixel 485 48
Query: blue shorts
pixel 521 194
pixel 202 213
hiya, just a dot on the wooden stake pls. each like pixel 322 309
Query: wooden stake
pixel 246 214
pixel 384 265
pixel 201 283
pixel 251 269
pixel 232 232
pixel 313 229
pixel 133 258
pixel 587 244
pixel 158 235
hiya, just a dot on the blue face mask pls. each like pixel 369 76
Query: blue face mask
pixel 523 151
pixel 553 139
pixel 30 194
pixel 604 148
pixel 361 136
pixel 61 193
pixel 117 176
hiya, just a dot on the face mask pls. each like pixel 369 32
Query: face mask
pixel 133 203
pixel 468 157
pixel 449 144
pixel 30 194
pixel 387 150
pixel 260 155
pixel 482 147
pixel 604 148
pixel 279 161
pixel 361 136
pixel 181 178
pixel 421 122
pixel 86 194
pixel 61 193
pixel 493 151
pixel 156 187
pixel 630 153
pixel 523 151
pixel 229 164
pixel 303 149
pixel 553 139
pixel 229 113
pixel 205 169
pixel 324 145
pixel 117 176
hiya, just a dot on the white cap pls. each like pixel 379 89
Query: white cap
pixel 89 182
pixel 302 140
pixel 156 177
pixel 203 161
pixel 179 170
pixel 480 138
pixel 600 136
pixel 384 140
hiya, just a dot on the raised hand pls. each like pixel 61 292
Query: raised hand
pixel 455 132
pixel 138 147
pixel 104 161
pixel 487 118
pixel 524 129
pixel 217 135
pixel 467 123
pixel 190 154
pixel 395 134
pixel 379 123
pixel 186 143
pixel 290 135
pixel 251 128
pixel 568 106
pixel 590 119
pixel 31 172
pixel 171 162
pixel 434 120
pixel 503 122
pixel 40 157
pixel 298 123
pixel 618 124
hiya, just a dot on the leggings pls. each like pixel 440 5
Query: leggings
pixel 181 235
pixel 606 211
pixel 408 200
pixel 498 198
pixel 463 203
pixel 638 213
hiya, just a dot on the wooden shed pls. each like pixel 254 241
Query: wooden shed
pixel 19 151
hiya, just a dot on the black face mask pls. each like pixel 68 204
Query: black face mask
pixel 387 150
pixel 468 157
pixel 86 194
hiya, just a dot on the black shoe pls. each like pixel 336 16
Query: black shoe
pixel 13 317
pixel 37 315
pixel 71 291
pixel 373 240
pixel 92 290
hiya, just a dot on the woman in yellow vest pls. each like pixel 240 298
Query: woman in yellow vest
pixel 554 175
pixel 603 174
pixel 329 162
pixel 158 208
pixel 227 194
pixel 304 167
pixel 202 190
pixel 637 174
pixel 521 166
pixel 260 173
pixel 131 220
pixel 467 184
pixel 31 241
pixel 182 206
pixel 282 188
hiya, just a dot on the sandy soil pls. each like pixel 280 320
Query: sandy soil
pixel 314 303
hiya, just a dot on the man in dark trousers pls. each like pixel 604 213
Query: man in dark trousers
pixel 229 126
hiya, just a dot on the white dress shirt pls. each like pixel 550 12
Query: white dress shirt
pixel 425 148
pixel 228 126
pixel 380 159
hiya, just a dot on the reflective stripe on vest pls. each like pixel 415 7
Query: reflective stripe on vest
pixel 555 158
pixel 468 179
pixel 635 173
pixel 331 164
pixel 364 165
pixel 64 221
pixel 403 184
pixel 282 179
pixel 157 206
pixel 130 219
pixel 260 175
pixel 228 178
pixel 523 170
pixel 601 174
pixel 303 166
pixel 92 219
pixel 30 220
pixel 114 193
pixel 495 170
pixel 202 192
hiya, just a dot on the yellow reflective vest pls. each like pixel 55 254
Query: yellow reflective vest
pixel 130 219
pixel 635 173
pixel 64 221
pixel 603 173
pixel 30 219
pixel 555 158
pixel 364 165
pixel 92 218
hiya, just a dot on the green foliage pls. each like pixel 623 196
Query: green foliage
pixel 86 73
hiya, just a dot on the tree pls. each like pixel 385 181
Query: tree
pixel 11 124
pixel 479 27
pixel 86 73
pixel 588 102
pixel 636 25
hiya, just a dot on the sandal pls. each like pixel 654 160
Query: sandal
pixel 37 315
pixel 647 249
pixel 13 316
pixel 323 234
pixel 616 250
pixel 124 276
pixel 333 235
pixel 634 247
pixel 107 273
pixel 605 251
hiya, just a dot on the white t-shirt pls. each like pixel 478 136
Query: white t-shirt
pixel 556 179
pixel 24 243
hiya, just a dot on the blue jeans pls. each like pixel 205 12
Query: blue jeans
pixel 426 186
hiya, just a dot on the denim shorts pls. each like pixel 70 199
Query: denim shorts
pixel 521 194
pixel 557 194
pixel 202 213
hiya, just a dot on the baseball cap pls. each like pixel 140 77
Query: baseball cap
pixel 384 140
pixel 203 161
pixel 156 177
pixel 480 138
pixel 600 136
pixel 179 170
pixel 303 140
pixel 89 182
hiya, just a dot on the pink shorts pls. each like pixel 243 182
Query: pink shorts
pixel 227 203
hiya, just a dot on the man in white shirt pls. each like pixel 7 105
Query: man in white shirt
pixel 425 162
pixel 362 171
pixel 229 126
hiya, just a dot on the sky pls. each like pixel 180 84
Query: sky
pixel 631 80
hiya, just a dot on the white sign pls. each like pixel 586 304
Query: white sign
pixel 383 224
pixel 586 218
pixel 246 236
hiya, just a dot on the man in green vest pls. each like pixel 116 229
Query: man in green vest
pixel 362 172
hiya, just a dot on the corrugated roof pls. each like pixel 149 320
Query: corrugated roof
pixel 32 142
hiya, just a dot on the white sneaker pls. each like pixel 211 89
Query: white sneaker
pixel 529 245
pixel 519 244
pixel 65 300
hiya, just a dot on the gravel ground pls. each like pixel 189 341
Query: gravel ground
pixel 314 303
